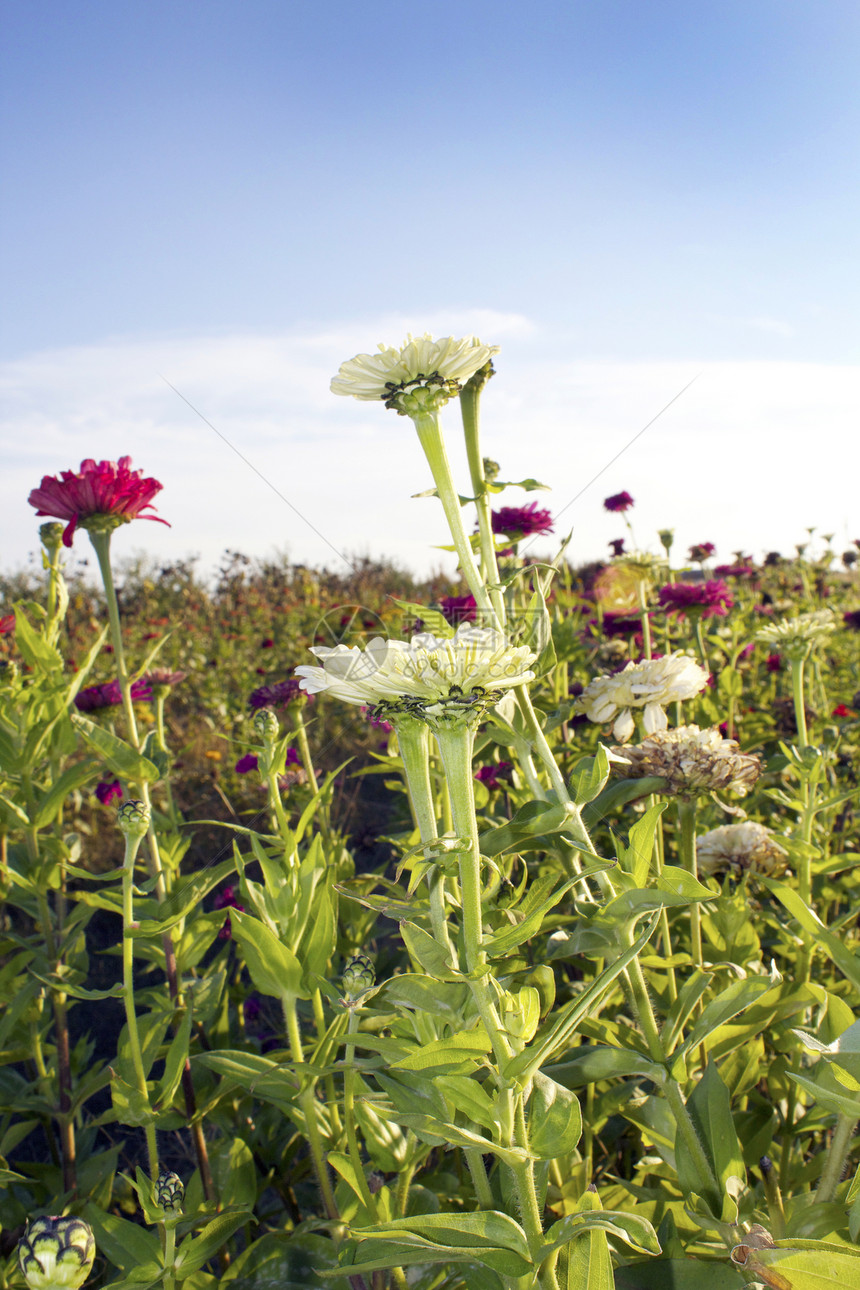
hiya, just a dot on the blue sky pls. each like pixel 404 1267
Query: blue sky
pixel 238 196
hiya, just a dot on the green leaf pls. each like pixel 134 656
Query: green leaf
pixel 51 804
pixel 274 969
pixel 466 1094
pixel 589 776
pixel 733 1000
pixel 848 963
pixel 589 1264
pixel 174 1063
pixel 489 1237
pixel 474 1043
pixel 532 821
pixel 636 857
pixel 502 943
pixel 801 1265
pixel 594 1062
pixel 555 1119
pixel 678 1274
pixel 34 649
pixel 126 1244
pixel 618 793
pixel 286 1262
pixel 426 950
pixel 197 1250
pixel 709 1107
pixel 119 756
pixel 187 895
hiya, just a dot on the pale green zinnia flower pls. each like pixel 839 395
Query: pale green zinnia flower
pixel 440 367
pixel 796 636
pixel 474 661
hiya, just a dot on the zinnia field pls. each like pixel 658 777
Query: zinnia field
pixel 364 931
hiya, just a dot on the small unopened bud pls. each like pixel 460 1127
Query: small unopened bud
pixel 491 470
pixel 169 1192
pixel 56 1252
pixel 133 818
pixel 51 535
pixel 357 976
pixel 266 725
pixel 667 537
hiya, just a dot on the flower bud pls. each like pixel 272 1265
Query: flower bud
pixel 266 725
pixel 56 1252
pixel 133 818
pixel 169 1192
pixel 51 535
pixel 357 976
pixel 667 537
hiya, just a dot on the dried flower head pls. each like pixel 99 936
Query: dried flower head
pixel 649 685
pixel 100 496
pixel 422 375
pixel 692 761
pixel 735 848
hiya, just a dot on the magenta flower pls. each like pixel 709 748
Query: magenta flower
pixel 109 694
pixel 702 551
pixel 495 775
pixel 249 762
pixel 740 570
pixel 522 521
pixel 107 790
pixel 773 663
pixel 278 694
pixel 852 619
pixel 227 900
pixel 705 599
pixel 618 502
pixel 98 490
pixel 459 609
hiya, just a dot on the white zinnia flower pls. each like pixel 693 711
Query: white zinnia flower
pixel 650 684
pixel 426 668
pixel 796 636
pixel 440 365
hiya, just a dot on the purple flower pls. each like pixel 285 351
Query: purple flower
pixel 774 663
pixel 708 599
pixel 227 900
pixel 459 609
pixel 852 619
pixel 246 763
pixel 109 694
pixel 702 551
pixel 741 570
pixel 278 694
pixel 617 545
pixel 618 502
pixel 522 521
pixel 494 776
pixel 107 790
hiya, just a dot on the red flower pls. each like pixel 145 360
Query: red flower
pixel 521 521
pixel 773 663
pixel 107 790
pixel 459 609
pixel 98 490
pixel 842 710
pixel 618 502
pixel 7 624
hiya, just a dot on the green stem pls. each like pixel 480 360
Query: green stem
pixel 430 438
pixel 687 848
pixel 797 690
pixel 310 1108
pixel 480 1181
pixel 643 617
pixel 413 738
pixel 349 1116
pixel 132 845
pixel 835 1159
pixel 169 1256
pixel 686 1128
pixel 470 398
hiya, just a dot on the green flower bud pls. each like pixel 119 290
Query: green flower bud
pixel 358 976
pixel 266 725
pixel 667 537
pixel 51 535
pixel 56 1252
pixel 491 470
pixel 169 1192
pixel 133 819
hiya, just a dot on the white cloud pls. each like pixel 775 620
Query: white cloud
pixel 750 455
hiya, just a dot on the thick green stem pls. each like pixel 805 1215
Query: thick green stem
pixel 470 397
pixel 480 1181
pixel 686 1128
pixel 797 690
pixel 413 738
pixel 687 839
pixel 430 438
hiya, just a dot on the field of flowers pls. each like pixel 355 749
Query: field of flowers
pixel 362 931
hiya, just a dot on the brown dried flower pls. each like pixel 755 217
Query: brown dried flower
pixel 693 761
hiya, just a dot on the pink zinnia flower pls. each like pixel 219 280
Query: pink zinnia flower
pixel 522 521
pixel 459 609
pixel 98 490
pixel 709 599
pixel 109 694
pixel 107 790
pixel 618 502
pixel 7 624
